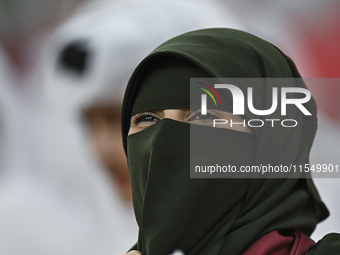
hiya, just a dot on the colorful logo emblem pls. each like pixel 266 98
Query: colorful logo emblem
pixel 209 93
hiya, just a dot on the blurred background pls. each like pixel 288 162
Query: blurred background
pixel 64 184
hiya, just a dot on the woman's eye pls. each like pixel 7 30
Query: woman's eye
pixel 203 117
pixel 145 117
pixel 198 116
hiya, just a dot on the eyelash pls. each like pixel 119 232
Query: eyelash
pixel 208 116
pixel 139 117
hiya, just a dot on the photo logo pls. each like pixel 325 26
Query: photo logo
pixel 281 98
pixel 238 99
pixel 204 97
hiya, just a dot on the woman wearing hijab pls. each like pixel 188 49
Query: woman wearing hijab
pixel 217 216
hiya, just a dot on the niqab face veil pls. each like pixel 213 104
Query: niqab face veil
pixel 213 216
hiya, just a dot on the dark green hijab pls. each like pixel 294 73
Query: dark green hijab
pixel 213 216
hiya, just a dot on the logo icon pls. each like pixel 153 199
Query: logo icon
pixel 204 97
pixel 239 99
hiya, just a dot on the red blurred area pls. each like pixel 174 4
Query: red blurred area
pixel 322 54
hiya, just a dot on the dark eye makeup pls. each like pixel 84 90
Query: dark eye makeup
pixel 145 117
pixel 198 116
pixel 148 117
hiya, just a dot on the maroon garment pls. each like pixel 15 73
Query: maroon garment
pixel 275 243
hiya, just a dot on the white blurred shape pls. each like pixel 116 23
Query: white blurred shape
pixel 118 37
pixel 52 202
